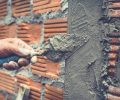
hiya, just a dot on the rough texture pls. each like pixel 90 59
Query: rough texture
pixel 84 65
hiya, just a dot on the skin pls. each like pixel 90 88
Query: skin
pixel 12 46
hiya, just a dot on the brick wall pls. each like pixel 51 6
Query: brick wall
pixel 34 21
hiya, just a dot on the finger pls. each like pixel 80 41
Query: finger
pixel 9 49
pixel 23 62
pixel 34 59
pixel 18 51
pixel 11 65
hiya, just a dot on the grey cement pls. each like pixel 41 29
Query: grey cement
pixel 84 66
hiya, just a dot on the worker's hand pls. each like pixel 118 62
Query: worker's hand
pixel 11 46
pixel 14 46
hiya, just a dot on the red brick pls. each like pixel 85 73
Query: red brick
pixel 46 68
pixel 7 83
pixel 7 31
pixel 21 8
pixel 2 97
pixel 23 80
pixel 54 26
pixel 45 6
pixel 3 8
pixel 114 4
pixel 112 55
pixel 53 93
pixel 114 48
pixel 114 13
pixel 35 91
pixel 29 33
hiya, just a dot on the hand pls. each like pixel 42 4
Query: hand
pixel 14 46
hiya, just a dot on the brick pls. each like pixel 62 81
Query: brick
pixel 35 91
pixel 114 48
pixel 3 8
pixel 23 80
pixel 112 62
pixel 30 33
pixel 35 87
pixel 53 93
pixel 112 55
pixel 46 68
pixel 55 26
pixel 111 71
pixel 21 8
pixel 114 40
pixel 7 83
pixel 114 4
pixel 3 32
pixel 114 90
pixel 114 13
pixel 45 6
pixel 2 97
pixel 112 97
pixel 7 31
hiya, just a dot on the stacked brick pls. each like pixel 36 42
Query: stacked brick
pixel 9 84
pixel 6 31
pixel 3 8
pixel 53 93
pixel 30 33
pixel 46 68
pixel 109 79
pixel 54 26
pixel 112 8
pixel 33 33
pixel 111 44
pixel 44 6
pixel 21 8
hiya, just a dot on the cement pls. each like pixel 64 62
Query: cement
pixel 83 67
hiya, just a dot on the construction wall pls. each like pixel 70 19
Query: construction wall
pixel 34 21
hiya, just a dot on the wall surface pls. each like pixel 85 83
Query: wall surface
pixel 34 22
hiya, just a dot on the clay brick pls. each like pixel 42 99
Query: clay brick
pixel 114 13
pixel 23 80
pixel 7 83
pixel 46 68
pixel 21 8
pixel 54 26
pixel 114 4
pixel 112 97
pixel 30 33
pixel 114 40
pixel 35 91
pixel 114 48
pixel 2 97
pixel 112 62
pixel 3 8
pixel 3 32
pixel 7 31
pixel 53 93
pixel 35 87
pixel 45 6
pixel 112 55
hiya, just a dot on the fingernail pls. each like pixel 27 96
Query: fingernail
pixel 34 59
